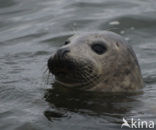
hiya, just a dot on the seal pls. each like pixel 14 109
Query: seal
pixel 96 61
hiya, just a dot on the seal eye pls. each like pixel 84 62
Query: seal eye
pixel 66 42
pixel 99 48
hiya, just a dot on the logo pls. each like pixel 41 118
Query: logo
pixel 137 123
pixel 125 123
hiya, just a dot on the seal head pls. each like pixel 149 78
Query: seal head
pixel 100 61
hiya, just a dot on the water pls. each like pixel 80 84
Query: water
pixel 31 29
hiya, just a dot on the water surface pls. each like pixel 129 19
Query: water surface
pixel 30 30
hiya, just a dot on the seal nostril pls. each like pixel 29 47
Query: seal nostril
pixel 62 52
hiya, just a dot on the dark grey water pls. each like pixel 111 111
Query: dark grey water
pixel 31 29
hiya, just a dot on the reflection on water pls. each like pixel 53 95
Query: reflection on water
pixel 94 104
pixel 30 30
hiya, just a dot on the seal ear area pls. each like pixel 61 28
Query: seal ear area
pixel 99 47
pixel 117 45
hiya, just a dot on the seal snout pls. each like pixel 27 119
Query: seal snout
pixel 60 63
pixel 62 52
